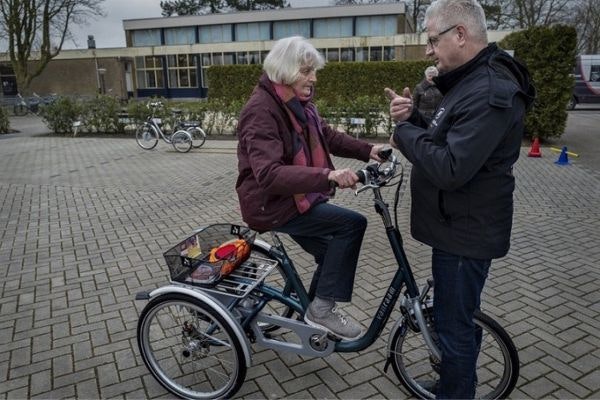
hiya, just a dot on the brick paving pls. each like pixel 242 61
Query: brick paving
pixel 84 222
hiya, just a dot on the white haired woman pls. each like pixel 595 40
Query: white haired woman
pixel 285 170
pixel 427 96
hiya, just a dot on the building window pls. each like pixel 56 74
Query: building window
pixel 389 54
pixel 385 25
pixel 149 72
pixel 362 54
pixel 347 54
pixel 215 33
pixel 333 54
pixel 375 53
pixel 185 35
pixel 254 57
pixel 283 29
pixel 252 31
pixel 146 37
pixel 182 71
pixel 332 27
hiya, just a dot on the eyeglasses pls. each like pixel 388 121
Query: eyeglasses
pixel 434 40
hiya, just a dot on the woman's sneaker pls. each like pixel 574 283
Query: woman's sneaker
pixel 323 314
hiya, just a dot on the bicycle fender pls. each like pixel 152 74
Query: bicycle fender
pixel 215 305
pixel 399 325
pixel 262 244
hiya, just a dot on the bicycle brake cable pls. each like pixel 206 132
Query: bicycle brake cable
pixel 397 195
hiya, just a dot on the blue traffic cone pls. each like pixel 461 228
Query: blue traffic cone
pixel 563 158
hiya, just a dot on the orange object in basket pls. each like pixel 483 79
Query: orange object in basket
pixel 232 253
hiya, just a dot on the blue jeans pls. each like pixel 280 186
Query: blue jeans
pixel 333 235
pixel 458 282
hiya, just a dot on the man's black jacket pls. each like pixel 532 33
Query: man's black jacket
pixel 461 181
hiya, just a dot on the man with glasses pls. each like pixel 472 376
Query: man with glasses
pixel 461 180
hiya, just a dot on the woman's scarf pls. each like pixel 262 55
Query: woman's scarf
pixel 308 148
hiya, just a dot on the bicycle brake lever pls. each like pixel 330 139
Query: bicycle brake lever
pixel 365 187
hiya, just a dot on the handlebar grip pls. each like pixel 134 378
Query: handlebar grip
pixel 385 154
pixel 361 176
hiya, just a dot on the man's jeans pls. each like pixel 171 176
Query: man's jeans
pixel 333 235
pixel 458 282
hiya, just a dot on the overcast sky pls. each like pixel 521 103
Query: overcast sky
pixel 108 30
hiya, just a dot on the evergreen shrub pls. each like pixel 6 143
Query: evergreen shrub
pixel 549 53
pixel 61 114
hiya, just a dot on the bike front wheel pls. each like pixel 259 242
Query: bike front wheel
pixel 181 141
pixel 146 136
pixel 198 136
pixel 497 365
pixel 190 349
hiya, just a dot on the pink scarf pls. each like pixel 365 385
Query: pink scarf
pixel 308 148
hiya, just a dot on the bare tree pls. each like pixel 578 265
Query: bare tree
pixel 40 27
pixel 587 22
pixel 200 7
pixel 530 13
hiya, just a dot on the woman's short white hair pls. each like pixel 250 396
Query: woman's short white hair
pixel 288 56
pixel 446 13
pixel 431 71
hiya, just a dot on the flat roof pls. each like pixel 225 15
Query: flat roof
pixel 281 14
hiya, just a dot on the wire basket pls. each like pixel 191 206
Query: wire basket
pixel 209 254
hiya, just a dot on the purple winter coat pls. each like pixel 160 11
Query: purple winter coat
pixel 267 178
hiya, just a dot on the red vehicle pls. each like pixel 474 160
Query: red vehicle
pixel 587 81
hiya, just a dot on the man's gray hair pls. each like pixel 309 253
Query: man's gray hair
pixel 431 70
pixel 446 13
pixel 287 56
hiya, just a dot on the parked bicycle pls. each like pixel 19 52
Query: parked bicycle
pixel 192 127
pixel 149 132
pixel 33 104
pixel 23 105
pixel 194 335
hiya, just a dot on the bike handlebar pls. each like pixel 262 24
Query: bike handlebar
pixel 372 170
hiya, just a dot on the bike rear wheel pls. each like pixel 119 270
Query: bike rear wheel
pixel 146 136
pixel 181 141
pixel 20 109
pixel 198 136
pixel 190 348
pixel 497 365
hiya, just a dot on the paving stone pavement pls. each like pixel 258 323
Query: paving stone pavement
pixel 84 222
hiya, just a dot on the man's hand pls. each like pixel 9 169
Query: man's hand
pixel 400 106
pixel 374 155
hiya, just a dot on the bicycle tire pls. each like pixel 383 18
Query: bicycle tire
pixel 497 364
pixel 278 280
pixel 198 136
pixel 190 348
pixel 146 136
pixel 181 141
pixel 20 109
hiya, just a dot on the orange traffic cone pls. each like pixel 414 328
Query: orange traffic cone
pixel 535 148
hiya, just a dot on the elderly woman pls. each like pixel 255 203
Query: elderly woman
pixel 427 96
pixel 285 173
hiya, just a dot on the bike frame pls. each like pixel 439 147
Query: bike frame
pixel 150 121
pixel 402 277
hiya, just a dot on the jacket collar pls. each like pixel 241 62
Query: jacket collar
pixel 445 82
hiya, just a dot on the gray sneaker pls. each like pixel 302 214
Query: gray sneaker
pixel 323 314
